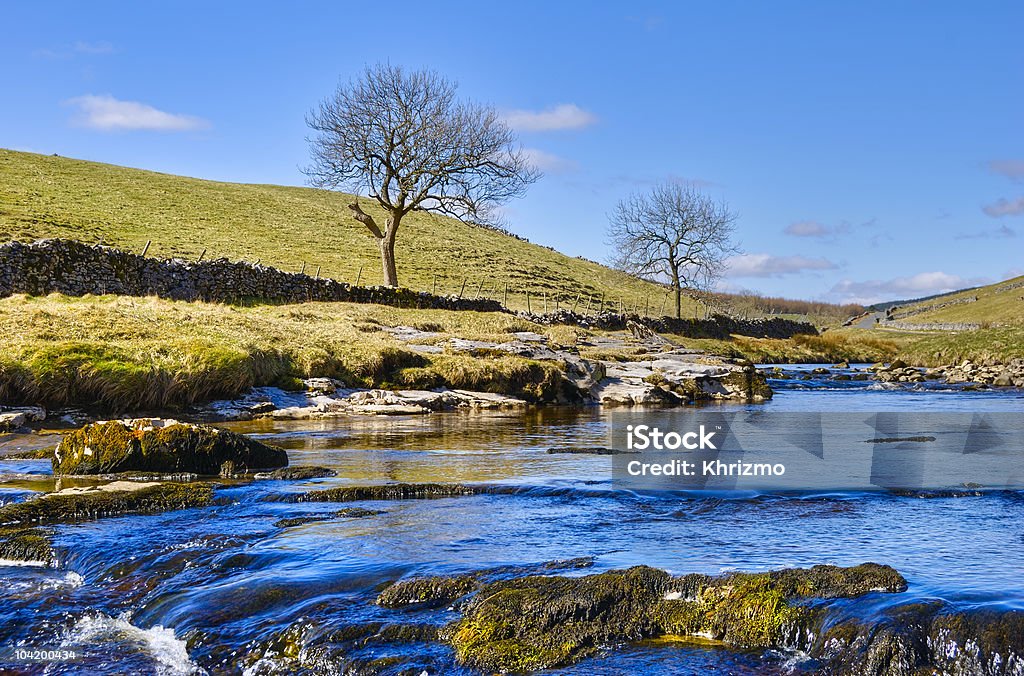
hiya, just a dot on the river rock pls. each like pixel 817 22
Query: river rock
pixel 92 502
pixel 157 445
pixel 12 419
pixel 541 622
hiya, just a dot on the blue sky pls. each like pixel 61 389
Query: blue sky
pixel 872 150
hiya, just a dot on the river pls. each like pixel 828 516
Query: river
pixel 224 590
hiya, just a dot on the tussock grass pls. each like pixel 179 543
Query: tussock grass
pixel 130 354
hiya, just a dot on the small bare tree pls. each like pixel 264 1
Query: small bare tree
pixel 673 234
pixel 404 140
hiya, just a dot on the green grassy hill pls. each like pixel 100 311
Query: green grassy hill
pixel 286 227
pixel 997 304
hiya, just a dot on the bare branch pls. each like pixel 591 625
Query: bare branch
pixel 402 138
pixel 674 234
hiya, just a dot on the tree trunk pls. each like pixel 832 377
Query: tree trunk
pixel 387 251
pixel 679 300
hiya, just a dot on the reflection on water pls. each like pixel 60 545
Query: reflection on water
pixel 177 592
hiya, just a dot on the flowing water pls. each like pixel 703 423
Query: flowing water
pixel 216 590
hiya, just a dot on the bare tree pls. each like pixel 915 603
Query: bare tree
pixel 672 234
pixel 404 140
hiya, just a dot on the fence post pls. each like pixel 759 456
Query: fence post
pixel 359 275
pixel 433 287
pixel 303 270
pixel 317 272
pixel 528 309
pixel 576 302
pixel 545 301
pixel 463 287
pixel 200 259
pixel 146 248
pixel 504 297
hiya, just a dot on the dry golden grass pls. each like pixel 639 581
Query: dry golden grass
pixel 145 353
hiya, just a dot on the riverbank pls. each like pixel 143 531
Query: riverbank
pixel 122 355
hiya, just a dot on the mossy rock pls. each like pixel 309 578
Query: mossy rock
pixel 427 591
pixel 750 382
pixel 161 446
pixel 298 473
pixel 61 507
pixel 389 492
pixel 347 513
pixel 542 622
pixel 26 545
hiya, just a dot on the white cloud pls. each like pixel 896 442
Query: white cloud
pixel 900 288
pixel 101 47
pixel 807 229
pixel 1002 232
pixel 766 265
pixel 1004 207
pixel 549 162
pixel 1011 169
pixel 562 116
pixel 70 51
pixel 108 114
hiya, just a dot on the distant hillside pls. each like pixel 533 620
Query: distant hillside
pixel 881 307
pixel 995 304
pixel 288 227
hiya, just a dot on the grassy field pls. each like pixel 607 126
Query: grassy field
pixel 128 354
pixel 286 227
pixel 996 305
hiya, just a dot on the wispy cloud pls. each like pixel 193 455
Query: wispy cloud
pixel 1011 169
pixel 101 47
pixel 1002 232
pixel 1004 207
pixel 649 23
pixel 109 114
pixel 808 229
pixel 766 265
pixel 549 162
pixel 900 288
pixel 562 116
pixel 81 47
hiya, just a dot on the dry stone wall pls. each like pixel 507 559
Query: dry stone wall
pixel 76 269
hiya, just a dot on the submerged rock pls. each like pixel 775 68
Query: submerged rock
pixel 155 445
pixel 390 492
pixel 26 545
pixel 589 450
pixel 427 591
pixel 543 621
pixel 120 497
pixel 347 513
pixel 297 473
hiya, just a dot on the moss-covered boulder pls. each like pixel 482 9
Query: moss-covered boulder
pixel 154 445
pixel 427 591
pixel 121 497
pixel 540 622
